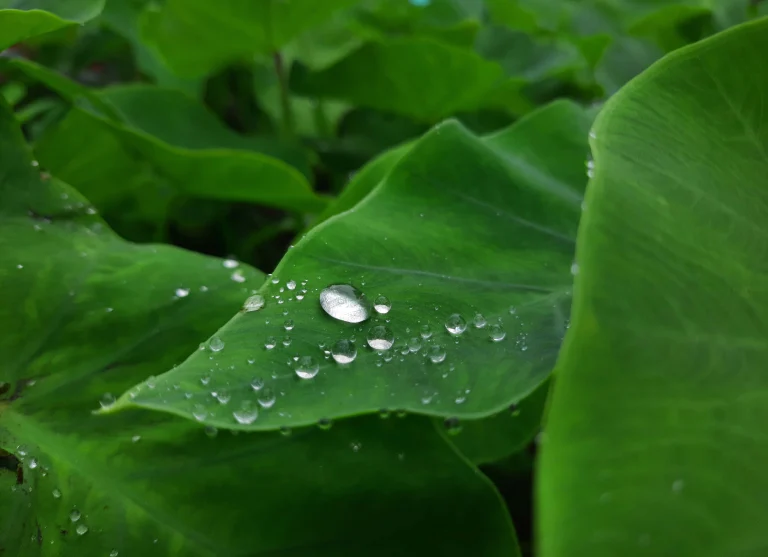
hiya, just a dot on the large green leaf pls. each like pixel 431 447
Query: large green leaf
pixel 86 313
pixel 460 225
pixel 24 19
pixel 421 78
pixel 182 142
pixel 196 36
pixel 656 437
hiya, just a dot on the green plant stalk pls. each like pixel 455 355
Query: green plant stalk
pixel 287 120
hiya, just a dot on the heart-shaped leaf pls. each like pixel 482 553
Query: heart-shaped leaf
pixel 655 439
pixel 464 232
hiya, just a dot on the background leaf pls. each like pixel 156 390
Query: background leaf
pixel 23 19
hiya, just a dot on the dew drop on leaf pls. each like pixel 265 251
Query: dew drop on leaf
pixel 380 338
pixel 74 515
pixel 246 414
pixel 436 354
pixel 107 400
pixel 270 343
pixel 238 276
pixel 254 303
pixel 267 398
pixel 456 324
pixel 211 431
pixel 257 384
pixel 81 529
pixel 56 494
pixel 285 431
pixel 33 463
pixel 324 424
pixel 215 344
pixel 479 321
pixel 222 396
pixel 230 263
pixel 426 331
pixel 306 367
pixel 345 303
pixel 182 292
pixel 344 351
pixel 286 340
pixel 288 324
pixel 382 304
pixel 496 332
pixel 291 284
pixel 199 412
pixel 114 553
pixel 414 345
pixel 452 426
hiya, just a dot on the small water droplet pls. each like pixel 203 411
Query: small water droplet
pixel 288 324
pixel 230 263
pixel 254 303
pixel 382 305
pixel 222 396
pixel 56 494
pixel 306 367
pixel 436 354
pixel 590 164
pixel 114 553
pixel 452 426
pixel 135 438
pixel 182 292
pixel 107 400
pixel 512 310
pixel 324 424
pixel 380 338
pixel 270 343
pixel 199 412
pixel 345 303
pixel 286 341
pixel 238 276
pixel 575 269
pixel 496 332
pixel 211 431
pixel 291 284
pixel 257 384
pixel 355 446
pixel 33 463
pixel 266 398
pixel 81 529
pixel 215 344
pixel 414 345
pixel 384 413
pixel 246 414
pixel 678 485
pixel 456 324
pixel 74 515
pixel 479 321
pixel 285 431
pixel 344 351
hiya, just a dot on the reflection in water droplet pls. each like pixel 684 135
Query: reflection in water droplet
pixel 345 303
pixel 380 338
pixel 479 321
pixel 452 425
pixel 456 324
pixel 246 414
pixel 344 351
pixel 382 304
pixel 306 367
pixel 107 400
pixel 81 529
pixel 199 412
pixel 267 398
pixel 436 353
pixel 324 424
pixel 254 303
pixel 74 515
pixel 496 333
pixel 215 344
pixel 288 324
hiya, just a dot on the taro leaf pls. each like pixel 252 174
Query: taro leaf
pixel 88 313
pixel 460 225
pixel 23 19
pixel 656 442
pixel 183 142
pixel 195 37
pixel 421 78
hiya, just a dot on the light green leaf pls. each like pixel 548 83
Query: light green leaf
pixel 460 225
pixel 23 19
pixel 195 37
pixel 85 314
pixel 655 439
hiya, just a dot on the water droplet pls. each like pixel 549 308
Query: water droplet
pixel 344 351
pixel 436 353
pixel 285 431
pixel 307 367
pixel 456 324
pixel 345 303
pixel 382 304
pixel 286 341
pixel 267 398
pixel 238 276
pixel 479 321
pixel 678 485
pixel 590 164
pixel 199 412
pixel 74 515
pixel 420 3
pixel 496 332
pixel 33 463
pixel 246 414
pixel 230 263
pixel 288 324
pixel 56 494
pixel 21 450
pixel 215 344
pixel 257 384
pixel 324 424
pixel 81 529
pixel 254 303
pixel 384 413
pixel 414 345
pixel 291 284
pixel 355 446
pixel 182 292
pixel 512 310
pixel 380 338
pixel 135 438
pixel 211 431
pixel 452 426
pixel 575 269
pixel 222 396
pixel 270 343
pixel 107 400
pixel 204 380
pixel 114 553
pixel 426 331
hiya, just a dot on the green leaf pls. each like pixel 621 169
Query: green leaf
pixel 382 75
pixel 88 313
pixel 655 438
pixel 182 142
pixel 195 37
pixel 460 225
pixel 23 19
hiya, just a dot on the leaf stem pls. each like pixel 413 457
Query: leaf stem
pixel 285 96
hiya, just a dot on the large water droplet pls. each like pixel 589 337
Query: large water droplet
pixel 380 338
pixel 215 344
pixel 496 333
pixel 254 303
pixel 291 284
pixel 267 398
pixel 246 414
pixel 344 351
pixel 345 303
pixel 306 367
pixel 382 304
pixel 456 324
pixel 436 353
